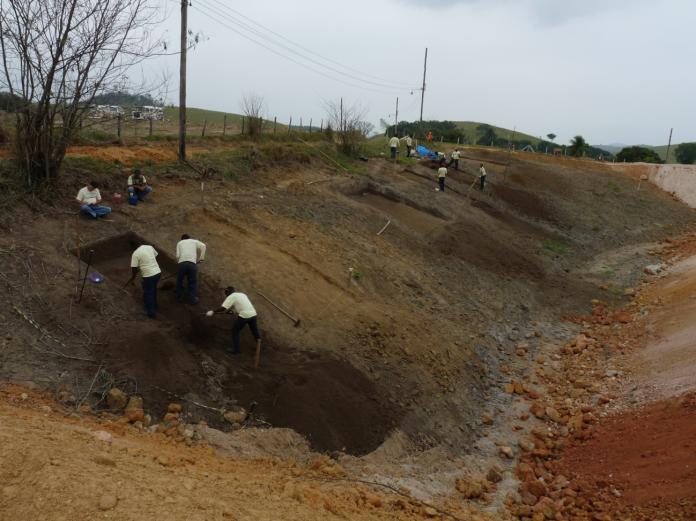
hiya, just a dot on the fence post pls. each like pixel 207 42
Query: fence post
pixel 441 138
pixel 118 127
pixel 205 124
pixel 151 124
pixel 224 125
pixel 457 140
pixel 310 125
pixel 321 126
pixel 243 119
pixel 275 124
pixel 290 125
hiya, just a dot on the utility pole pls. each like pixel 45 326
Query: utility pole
pixel 396 118
pixel 182 82
pixel 425 68
pixel 669 144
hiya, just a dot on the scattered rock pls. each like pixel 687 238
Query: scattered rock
pixel 487 419
pixel 235 414
pixel 494 475
pixel 526 445
pixel 538 410
pixel 104 436
pixel 654 269
pixel 134 410
pixel 107 502
pixel 116 399
pixel 507 452
pixel 430 512
pixel 553 414
pixel 105 460
pixel 175 408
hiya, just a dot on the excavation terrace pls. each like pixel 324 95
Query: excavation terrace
pixel 415 306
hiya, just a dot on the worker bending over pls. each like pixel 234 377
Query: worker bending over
pixel 144 261
pixel 189 252
pixel 240 304
pixel 441 175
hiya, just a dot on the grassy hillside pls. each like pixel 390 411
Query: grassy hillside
pixel 469 128
pixel 198 116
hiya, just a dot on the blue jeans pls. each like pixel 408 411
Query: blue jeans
pixel 140 193
pixel 189 271
pixel 149 285
pixel 393 152
pixel 95 210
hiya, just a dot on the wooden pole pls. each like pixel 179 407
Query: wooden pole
pixel 396 118
pixel 205 124
pixel 224 125
pixel 321 126
pixel 118 128
pixel 425 69
pixel 242 125
pixel 182 82
pixel 310 125
pixel 290 125
pixel 151 124
pixel 275 124
pixel 669 145
pixel 300 124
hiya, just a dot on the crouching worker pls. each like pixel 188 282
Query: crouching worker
pixel 240 304
pixel 137 186
pixel 89 199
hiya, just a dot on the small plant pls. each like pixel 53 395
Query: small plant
pixel 555 246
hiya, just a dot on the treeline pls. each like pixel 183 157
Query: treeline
pixel 486 135
pixel 125 99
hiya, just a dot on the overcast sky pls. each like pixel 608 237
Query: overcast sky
pixel 611 70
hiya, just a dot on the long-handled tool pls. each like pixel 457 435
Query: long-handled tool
pixel 296 321
pixel 84 280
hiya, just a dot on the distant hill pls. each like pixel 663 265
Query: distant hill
pixel 469 129
pixel 614 148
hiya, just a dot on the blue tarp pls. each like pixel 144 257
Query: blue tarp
pixel 424 152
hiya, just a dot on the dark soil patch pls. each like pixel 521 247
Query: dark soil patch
pixel 326 399
pixel 524 202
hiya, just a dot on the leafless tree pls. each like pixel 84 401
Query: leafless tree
pixel 350 127
pixel 56 56
pixel 253 107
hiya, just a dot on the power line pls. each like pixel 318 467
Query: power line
pixel 215 15
pixel 383 80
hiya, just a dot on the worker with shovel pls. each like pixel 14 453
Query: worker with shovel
pixel 240 304
pixel 189 252
pixel 482 177
pixel 454 158
pixel 144 261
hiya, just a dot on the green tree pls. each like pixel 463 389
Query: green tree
pixel 578 146
pixel 638 155
pixel 551 136
pixel 686 153
pixel 487 135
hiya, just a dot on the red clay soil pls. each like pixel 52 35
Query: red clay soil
pixel 648 455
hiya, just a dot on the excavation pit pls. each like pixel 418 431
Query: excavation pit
pixel 324 398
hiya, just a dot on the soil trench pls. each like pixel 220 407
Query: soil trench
pixel 326 399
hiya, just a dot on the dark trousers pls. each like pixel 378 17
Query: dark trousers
pixel 393 152
pixel 149 285
pixel 441 180
pixel 237 328
pixel 408 150
pixel 483 181
pixel 456 164
pixel 188 271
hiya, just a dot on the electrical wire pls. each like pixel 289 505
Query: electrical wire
pixel 383 81
pixel 261 35
pixel 215 16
